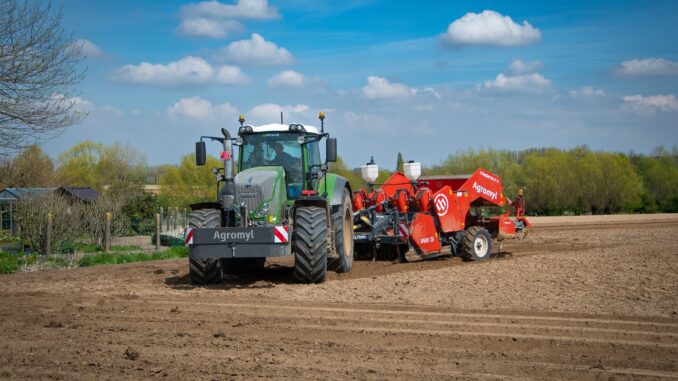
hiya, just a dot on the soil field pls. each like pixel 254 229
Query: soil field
pixel 581 298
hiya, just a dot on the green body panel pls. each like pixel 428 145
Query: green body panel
pixel 335 188
pixel 279 194
pixel 331 181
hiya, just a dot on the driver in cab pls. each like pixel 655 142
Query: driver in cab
pixel 281 157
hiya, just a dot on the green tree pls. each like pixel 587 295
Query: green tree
pixel 399 163
pixel 557 181
pixel 187 183
pixel 100 166
pixel 32 168
pixel 620 184
pixel 340 168
pixel 660 180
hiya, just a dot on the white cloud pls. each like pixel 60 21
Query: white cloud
pixel 648 67
pixel 242 9
pixel 201 109
pixel 291 78
pixel 652 103
pixel 61 102
pixel 381 88
pixel 587 91
pixel 216 20
pixel 270 113
pixel 520 67
pixel 489 28
pixel 205 27
pixel 186 71
pixel 79 104
pixel 378 87
pixel 430 91
pixel 288 78
pixel 256 51
pixel 231 75
pixel 88 49
pixel 522 83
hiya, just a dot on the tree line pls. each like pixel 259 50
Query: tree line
pixel 556 181
pixel 578 180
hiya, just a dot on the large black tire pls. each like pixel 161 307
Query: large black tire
pixel 310 244
pixel 476 244
pixel 342 228
pixel 204 271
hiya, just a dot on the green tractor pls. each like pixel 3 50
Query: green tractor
pixel 282 201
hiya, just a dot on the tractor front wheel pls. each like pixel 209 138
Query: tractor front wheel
pixel 204 271
pixel 476 244
pixel 310 244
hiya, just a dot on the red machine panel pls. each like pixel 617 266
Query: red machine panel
pixel 401 200
pixel 376 198
pixel 359 199
pixel 506 226
pixel 482 185
pixel 424 199
pixel 436 183
pixel 485 187
pixel 423 234
pixel 451 208
pixel 395 182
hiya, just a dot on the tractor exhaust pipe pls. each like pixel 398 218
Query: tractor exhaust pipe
pixel 229 183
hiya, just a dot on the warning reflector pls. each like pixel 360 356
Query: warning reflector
pixel 188 239
pixel 280 234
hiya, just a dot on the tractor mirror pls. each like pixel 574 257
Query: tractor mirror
pixel 200 153
pixel 331 150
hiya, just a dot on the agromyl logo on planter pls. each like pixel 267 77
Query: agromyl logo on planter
pixel 442 204
pixel 482 190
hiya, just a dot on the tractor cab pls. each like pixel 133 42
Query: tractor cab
pixel 295 148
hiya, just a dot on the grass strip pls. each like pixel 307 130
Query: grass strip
pixel 120 258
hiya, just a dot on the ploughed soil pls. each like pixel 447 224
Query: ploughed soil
pixel 581 298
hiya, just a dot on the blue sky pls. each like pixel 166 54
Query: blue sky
pixel 425 78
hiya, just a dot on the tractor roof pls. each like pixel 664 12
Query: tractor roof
pixel 283 127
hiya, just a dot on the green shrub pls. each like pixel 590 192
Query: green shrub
pixel 9 263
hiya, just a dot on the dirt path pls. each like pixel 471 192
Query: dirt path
pixel 593 302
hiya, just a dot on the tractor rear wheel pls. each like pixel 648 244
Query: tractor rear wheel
pixel 476 245
pixel 204 271
pixel 310 244
pixel 342 227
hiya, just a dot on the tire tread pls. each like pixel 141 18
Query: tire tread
pixel 310 245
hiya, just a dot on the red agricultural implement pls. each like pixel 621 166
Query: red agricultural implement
pixel 435 216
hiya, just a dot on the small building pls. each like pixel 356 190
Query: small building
pixel 9 197
pixel 78 194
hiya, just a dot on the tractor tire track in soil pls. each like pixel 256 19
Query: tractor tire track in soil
pixel 574 303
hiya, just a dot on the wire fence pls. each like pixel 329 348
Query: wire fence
pixel 113 233
pixel 169 223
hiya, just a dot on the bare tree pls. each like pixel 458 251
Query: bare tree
pixel 66 224
pixel 38 68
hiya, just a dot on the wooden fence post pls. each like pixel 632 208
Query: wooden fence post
pixel 48 235
pixel 107 233
pixel 157 231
